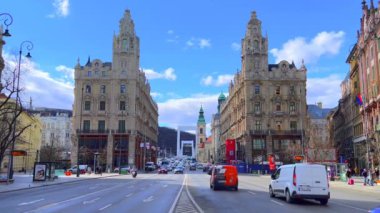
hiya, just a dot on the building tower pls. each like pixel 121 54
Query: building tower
pixel 201 135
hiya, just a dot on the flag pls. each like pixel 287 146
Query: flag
pixel 359 100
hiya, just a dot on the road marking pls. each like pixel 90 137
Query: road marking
pixel 276 202
pixel 149 199
pixel 101 209
pixel 31 202
pixel 74 198
pixel 348 206
pixel 91 201
pixel 191 197
pixel 128 195
pixel 165 186
pixel 177 198
pixel 252 193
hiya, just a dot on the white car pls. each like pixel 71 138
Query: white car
pixel 305 181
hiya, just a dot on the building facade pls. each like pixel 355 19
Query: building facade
pixel 114 115
pixel 56 129
pixel 215 130
pixel 201 136
pixel 265 111
pixel 368 47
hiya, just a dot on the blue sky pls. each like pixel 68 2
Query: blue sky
pixel 189 49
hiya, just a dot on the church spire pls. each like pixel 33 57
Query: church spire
pixel 201 118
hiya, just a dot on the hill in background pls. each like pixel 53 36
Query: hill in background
pixel 167 140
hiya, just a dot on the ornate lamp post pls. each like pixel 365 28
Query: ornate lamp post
pixel 29 46
pixel 8 21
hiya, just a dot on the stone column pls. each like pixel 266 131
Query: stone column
pixel 131 150
pixel 110 145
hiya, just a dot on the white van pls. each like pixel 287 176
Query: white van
pixel 301 180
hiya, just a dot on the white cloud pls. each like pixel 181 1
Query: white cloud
pixel 203 43
pixel 170 32
pixel 61 8
pixel 185 111
pixel 325 43
pixel 167 74
pixel 235 46
pixel 69 72
pixel 156 94
pixel 45 90
pixel 329 95
pixel 198 43
pixel 219 81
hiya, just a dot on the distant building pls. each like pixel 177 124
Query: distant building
pixel 320 146
pixel 201 135
pixel 56 129
pixel 265 111
pixel 114 114
pixel 215 131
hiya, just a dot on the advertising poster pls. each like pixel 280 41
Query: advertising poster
pixel 230 150
pixel 39 172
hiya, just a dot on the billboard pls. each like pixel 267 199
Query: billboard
pixel 230 150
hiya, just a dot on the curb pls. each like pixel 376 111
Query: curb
pixel 58 183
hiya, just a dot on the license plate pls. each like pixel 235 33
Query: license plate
pixel 305 188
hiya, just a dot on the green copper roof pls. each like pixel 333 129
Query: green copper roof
pixel 201 117
pixel 221 97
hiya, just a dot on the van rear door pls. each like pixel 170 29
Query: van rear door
pixel 311 179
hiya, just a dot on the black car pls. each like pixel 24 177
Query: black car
pixel 193 167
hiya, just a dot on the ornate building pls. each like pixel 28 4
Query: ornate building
pixel 114 114
pixel 368 47
pixel 265 112
pixel 215 130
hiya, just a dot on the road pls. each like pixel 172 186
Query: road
pixel 175 194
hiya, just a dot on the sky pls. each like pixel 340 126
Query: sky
pixel 189 50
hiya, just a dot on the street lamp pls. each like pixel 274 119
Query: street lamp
pixel 29 46
pixel 8 21
pixel 95 156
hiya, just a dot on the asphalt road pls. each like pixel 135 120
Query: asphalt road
pixel 175 194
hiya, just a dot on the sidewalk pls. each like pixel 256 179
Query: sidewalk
pixel 25 181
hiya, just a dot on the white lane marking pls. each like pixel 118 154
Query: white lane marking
pixel 252 193
pixel 191 197
pixel 128 195
pixel 74 198
pixel 91 201
pixel 165 186
pixel 149 199
pixel 177 198
pixel 101 209
pixel 276 202
pixel 348 206
pixel 31 202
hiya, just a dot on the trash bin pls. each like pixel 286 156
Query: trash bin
pixel 124 171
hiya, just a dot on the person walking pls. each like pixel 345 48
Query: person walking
pixel 348 175
pixel 377 173
pixel 365 175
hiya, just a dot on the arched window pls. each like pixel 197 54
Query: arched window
pixel 88 89
pixel 201 131
pixel 103 89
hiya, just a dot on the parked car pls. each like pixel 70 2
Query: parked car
pixel 149 166
pixel 82 169
pixel 193 166
pixel 224 176
pixel 178 170
pixel 308 181
pixel 162 170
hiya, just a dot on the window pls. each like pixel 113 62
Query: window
pixel 201 131
pixel 102 105
pixel 89 73
pixel 257 107
pixel 123 89
pixel 258 125
pixel 258 144
pixel 278 106
pixel 88 89
pixel 122 105
pixel 257 89
pixel 278 123
pixel 101 125
pixel 121 125
pixel 284 144
pixel 292 107
pixel 292 90
pixel 87 105
pixel 103 73
pixel 293 125
pixel 278 90
pixel 201 140
pixel 103 89
pixel 86 125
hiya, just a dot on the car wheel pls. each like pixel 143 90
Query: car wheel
pixel 271 194
pixel 323 201
pixel 289 199
pixel 236 188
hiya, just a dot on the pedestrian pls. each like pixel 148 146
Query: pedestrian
pixel 377 173
pixel 365 175
pixel 369 178
pixel 348 175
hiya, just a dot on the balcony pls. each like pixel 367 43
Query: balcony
pixel 93 131
pixel 278 113
pixel 286 132
pixel 258 132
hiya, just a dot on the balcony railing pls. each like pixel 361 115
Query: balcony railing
pixel 286 132
pixel 101 131
pixel 258 132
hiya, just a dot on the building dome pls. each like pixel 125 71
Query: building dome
pixel 221 97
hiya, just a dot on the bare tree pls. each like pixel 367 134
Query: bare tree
pixel 10 112
pixel 52 152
